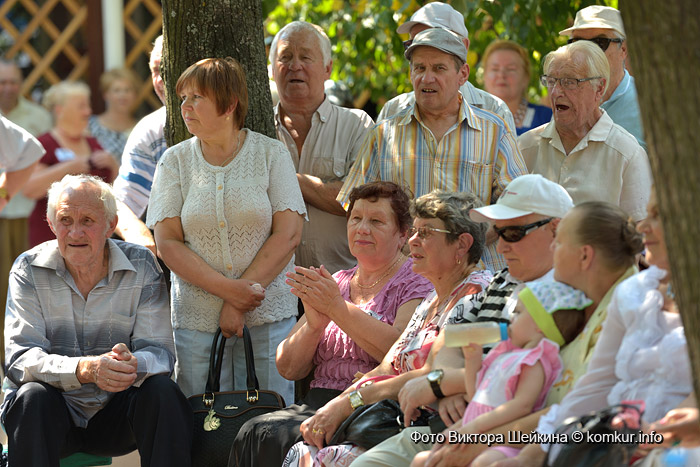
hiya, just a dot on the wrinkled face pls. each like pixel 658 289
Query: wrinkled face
pixel 531 257
pixel 616 53
pixel 522 329
pixel 81 227
pixel 575 108
pixel 433 256
pixel 567 251
pixel 299 71
pixel 653 232
pixel 74 110
pixel 121 95
pixel 200 114
pixel 10 82
pixel 504 75
pixel 158 85
pixel 436 79
pixel 373 231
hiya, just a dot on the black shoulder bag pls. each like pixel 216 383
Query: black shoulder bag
pixel 219 415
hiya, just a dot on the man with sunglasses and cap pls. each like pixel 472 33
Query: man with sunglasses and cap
pixel 582 149
pixel 525 218
pixel 603 26
pixel 440 142
pixel 442 15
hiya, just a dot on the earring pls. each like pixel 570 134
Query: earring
pixel 228 117
pixel 459 260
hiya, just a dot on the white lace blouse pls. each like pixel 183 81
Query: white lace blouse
pixel 226 215
pixel 641 354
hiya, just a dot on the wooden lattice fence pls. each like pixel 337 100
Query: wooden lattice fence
pixel 60 37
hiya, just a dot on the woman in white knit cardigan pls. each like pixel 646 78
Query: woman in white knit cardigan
pixel 227 213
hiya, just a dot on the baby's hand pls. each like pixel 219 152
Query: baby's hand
pixel 473 354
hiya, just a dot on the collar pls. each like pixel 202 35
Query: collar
pixel 621 88
pixel 322 112
pixel 50 258
pixel 465 114
pixel 599 132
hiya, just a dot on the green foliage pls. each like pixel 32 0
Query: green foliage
pixel 368 54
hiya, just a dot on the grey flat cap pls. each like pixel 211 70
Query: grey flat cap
pixel 440 39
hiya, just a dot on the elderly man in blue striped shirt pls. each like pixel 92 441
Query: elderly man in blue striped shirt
pixel 89 345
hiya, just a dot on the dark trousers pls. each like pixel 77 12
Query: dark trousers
pixel 154 418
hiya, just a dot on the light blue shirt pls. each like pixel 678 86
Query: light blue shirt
pixel 50 326
pixel 623 108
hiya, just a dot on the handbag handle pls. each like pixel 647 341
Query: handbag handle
pixel 216 358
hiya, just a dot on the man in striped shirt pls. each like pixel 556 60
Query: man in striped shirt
pixel 440 142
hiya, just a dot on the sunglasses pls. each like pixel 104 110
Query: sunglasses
pixel 602 42
pixel 424 232
pixel 515 233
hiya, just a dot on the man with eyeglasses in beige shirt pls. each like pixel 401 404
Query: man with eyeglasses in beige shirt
pixel 582 149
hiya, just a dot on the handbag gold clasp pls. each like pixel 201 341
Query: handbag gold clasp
pixel 250 398
pixel 208 402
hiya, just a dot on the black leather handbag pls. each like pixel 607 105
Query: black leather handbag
pixel 596 443
pixel 219 415
pixel 371 424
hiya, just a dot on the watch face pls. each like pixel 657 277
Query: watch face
pixel 434 375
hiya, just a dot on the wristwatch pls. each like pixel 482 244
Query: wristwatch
pixel 356 400
pixel 435 378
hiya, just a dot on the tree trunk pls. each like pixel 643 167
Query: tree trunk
pixel 193 30
pixel 664 48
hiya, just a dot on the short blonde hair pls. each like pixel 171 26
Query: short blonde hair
pixel 59 92
pixel 108 78
pixel 222 80
pixel 587 57
pixel 109 200
pixel 503 44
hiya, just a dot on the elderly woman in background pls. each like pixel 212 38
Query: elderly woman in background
pixel 227 213
pixel 68 151
pixel 507 75
pixel 582 149
pixel 351 319
pixel 630 361
pixel 445 247
pixel 112 128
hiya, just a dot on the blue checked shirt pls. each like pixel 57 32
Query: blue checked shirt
pixel 49 325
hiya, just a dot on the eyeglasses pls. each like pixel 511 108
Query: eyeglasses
pixel 602 42
pixel 515 233
pixel 424 232
pixel 407 44
pixel 567 83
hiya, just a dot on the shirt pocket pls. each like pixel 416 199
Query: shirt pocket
pixel 480 178
pixel 328 168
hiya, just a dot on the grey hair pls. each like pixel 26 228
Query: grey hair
pixel 453 208
pixel 70 182
pixel 298 26
pixel 59 92
pixel 592 59
pixel 157 50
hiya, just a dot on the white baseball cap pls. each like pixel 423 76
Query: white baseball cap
pixel 527 194
pixel 437 15
pixel 597 17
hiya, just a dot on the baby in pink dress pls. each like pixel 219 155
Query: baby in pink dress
pixel 515 376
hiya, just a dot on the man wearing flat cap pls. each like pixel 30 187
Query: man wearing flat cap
pixel 442 15
pixel 603 26
pixel 440 142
